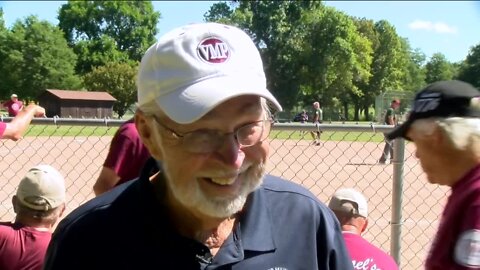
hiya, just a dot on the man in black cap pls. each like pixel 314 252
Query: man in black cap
pixel 390 119
pixel 444 125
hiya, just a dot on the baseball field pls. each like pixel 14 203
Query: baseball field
pixel 322 169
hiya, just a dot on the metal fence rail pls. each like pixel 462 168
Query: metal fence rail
pixel 403 208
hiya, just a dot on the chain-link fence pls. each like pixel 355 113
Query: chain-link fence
pixel 403 208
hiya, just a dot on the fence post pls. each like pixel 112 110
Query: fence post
pixel 397 191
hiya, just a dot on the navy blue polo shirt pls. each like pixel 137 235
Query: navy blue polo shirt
pixel 282 227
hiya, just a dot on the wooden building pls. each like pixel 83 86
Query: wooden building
pixel 76 104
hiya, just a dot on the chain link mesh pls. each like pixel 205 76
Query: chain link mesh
pixel 346 157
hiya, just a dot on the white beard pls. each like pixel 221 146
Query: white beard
pixel 193 197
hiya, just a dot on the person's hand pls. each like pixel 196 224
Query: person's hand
pixel 39 111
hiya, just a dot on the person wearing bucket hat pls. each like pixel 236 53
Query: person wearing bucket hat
pixel 38 203
pixel 204 201
pixel 444 125
pixel 351 209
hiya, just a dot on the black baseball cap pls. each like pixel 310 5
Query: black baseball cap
pixel 441 99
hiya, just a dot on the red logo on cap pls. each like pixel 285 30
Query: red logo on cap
pixel 213 50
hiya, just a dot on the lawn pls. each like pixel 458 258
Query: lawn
pixel 76 130
pixel 329 136
pixel 68 131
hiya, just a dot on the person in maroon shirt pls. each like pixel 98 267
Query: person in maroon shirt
pixel 444 125
pixel 125 158
pixel 38 203
pixel 351 209
pixel 13 105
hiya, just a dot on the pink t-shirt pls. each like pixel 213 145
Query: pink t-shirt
pixel 457 243
pixel 366 256
pixel 127 153
pixel 21 247
pixel 3 126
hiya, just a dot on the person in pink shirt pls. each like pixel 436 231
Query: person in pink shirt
pixel 351 209
pixel 444 125
pixel 15 129
pixel 39 202
pixel 13 105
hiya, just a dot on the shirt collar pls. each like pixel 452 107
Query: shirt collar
pixel 256 223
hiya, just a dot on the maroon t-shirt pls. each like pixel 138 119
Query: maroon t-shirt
pixel 13 107
pixel 22 248
pixel 127 153
pixel 366 256
pixel 457 243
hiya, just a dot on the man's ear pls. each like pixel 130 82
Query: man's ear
pixel 438 137
pixel 14 203
pixel 144 128
pixel 365 225
pixel 62 210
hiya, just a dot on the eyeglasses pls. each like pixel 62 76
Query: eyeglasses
pixel 205 141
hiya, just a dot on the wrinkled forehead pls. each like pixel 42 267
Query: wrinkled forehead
pixel 241 105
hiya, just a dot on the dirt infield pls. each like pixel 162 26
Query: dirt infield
pixel 321 169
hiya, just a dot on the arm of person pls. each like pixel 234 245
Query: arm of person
pixel 332 253
pixel 467 246
pixel 15 129
pixel 315 117
pixel 390 120
pixel 107 179
pixel 117 161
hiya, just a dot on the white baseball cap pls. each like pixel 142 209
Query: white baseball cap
pixel 194 68
pixel 42 188
pixel 350 201
pixel 14 95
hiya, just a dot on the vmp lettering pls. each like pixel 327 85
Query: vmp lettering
pixel 213 50
pixel 427 102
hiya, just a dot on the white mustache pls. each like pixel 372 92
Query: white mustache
pixel 227 173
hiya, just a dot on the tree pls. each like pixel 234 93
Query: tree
pixel 438 69
pixel 388 62
pixel 118 79
pixel 470 68
pixel 276 29
pixel 35 56
pixel 2 22
pixel 336 57
pixel 415 78
pixel 127 27
pixel 219 12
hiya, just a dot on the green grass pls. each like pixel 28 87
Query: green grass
pixel 337 136
pixel 69 131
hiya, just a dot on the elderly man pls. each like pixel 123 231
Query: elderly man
pixel 38 203
pixel 444 125
pixel 203 201
pixel 351 209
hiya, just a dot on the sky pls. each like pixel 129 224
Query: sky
pixel 447 27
